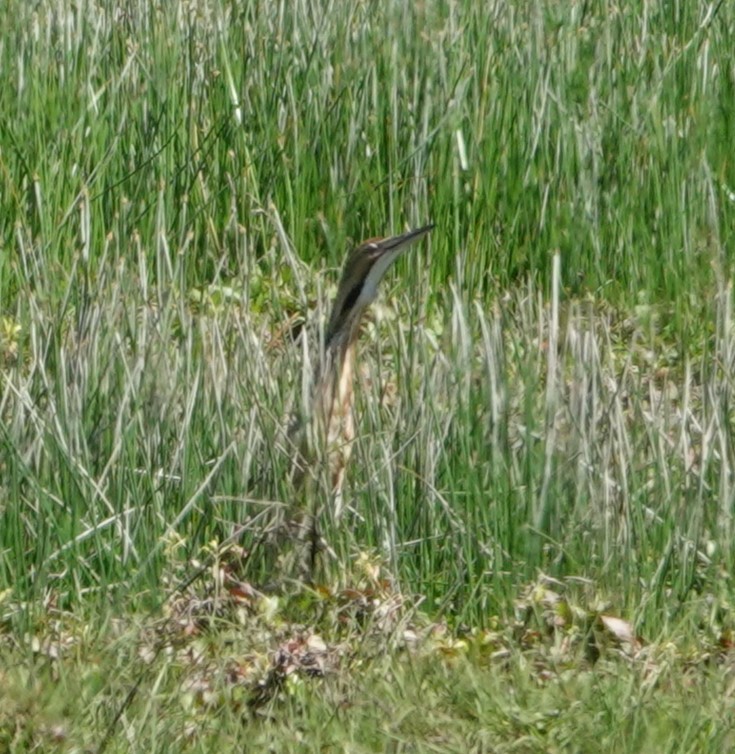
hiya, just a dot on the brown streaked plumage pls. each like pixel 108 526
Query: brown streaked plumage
pixel 364 268
pixel 332 424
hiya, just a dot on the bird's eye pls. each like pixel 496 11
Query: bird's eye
pixel 352 297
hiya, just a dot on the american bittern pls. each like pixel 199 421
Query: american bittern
pixel 332 423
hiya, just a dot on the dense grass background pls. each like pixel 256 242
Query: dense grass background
pixel 546 386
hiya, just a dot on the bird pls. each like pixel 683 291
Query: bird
pixel 330 422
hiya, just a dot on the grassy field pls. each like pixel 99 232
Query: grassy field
pixel 539 543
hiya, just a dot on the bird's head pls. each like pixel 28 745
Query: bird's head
pixel 364 269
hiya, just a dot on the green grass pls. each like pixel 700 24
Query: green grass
pixel 545 394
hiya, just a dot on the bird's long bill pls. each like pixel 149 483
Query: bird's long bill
pixel 399 242
pixel 384 253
